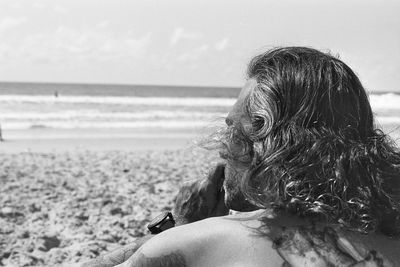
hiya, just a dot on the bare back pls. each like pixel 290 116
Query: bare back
pixel 260 239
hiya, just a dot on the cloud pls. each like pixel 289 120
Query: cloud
pixel 103 24
pixel 16 5
pixel 39 5
pixel 11 22
pixel 222 44
pixel 4 51
pixel 193 55
pixel 52 8
pixel 129 47
pixel 60 9
pixel 182 34
pixel 72 46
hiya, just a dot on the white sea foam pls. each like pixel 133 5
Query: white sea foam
pixel 148 101
pixel 173 124
pixel 98 115
pixel 378 101
pixel 385 101
pixel 387 120
pixel 29 112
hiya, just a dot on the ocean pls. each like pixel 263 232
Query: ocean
pixel 30 106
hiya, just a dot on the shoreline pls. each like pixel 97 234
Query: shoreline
pixel 95 144
pixel 48 140
pixel 60 140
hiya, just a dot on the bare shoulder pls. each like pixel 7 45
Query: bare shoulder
pixel 172 247
pixel 180 246
pixel 218 241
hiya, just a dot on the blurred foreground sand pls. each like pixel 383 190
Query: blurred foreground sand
pixel 58 208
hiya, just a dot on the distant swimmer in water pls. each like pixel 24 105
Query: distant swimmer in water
pixel 1 134
pixel 55 93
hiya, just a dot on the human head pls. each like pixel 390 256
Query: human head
pixel 237 118
pixel 306 142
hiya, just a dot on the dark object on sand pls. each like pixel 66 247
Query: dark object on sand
pixel 161 223
pixel 49 242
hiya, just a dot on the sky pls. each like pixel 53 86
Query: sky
pixel 190 42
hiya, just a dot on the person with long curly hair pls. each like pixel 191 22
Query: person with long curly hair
pixel 307 143
pixel 317 182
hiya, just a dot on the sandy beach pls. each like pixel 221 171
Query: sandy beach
pixel 65 201
pixel 69 196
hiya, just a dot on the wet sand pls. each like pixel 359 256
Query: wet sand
pixel 59 140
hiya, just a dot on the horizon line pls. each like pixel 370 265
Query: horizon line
pixel 117 84
pixel 154 85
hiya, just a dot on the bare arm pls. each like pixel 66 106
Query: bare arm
pixel 173 259
pixel 117 256
pixel 167 249
pixel 182 246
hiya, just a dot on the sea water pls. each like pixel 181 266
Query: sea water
pixel 30 106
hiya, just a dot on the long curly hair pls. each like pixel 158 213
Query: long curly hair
pixel 311 146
